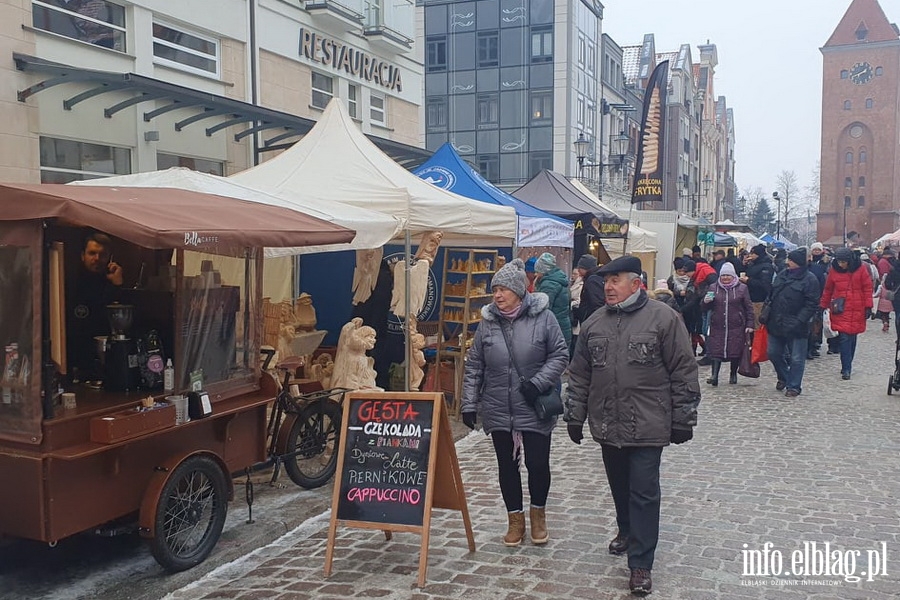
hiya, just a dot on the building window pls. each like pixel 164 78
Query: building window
pixel 377 112
pixel 848 182
pixel 436 113
pixel 582 52
pixel 63 161
pixel 95 22
pixel 538 161
pixel 541 45
pixel 488 109
pixel 848 158
pixel 579 110
pixel 489 167
pixel 861 201
pixel 322 90
pixel 167 161
pixel 862 182
pixel 436 54
pixel 847 202
pixel 488 49
pixel 862 157
pixel 879 71
pixel 869 103
pixel 353 100
pixel 175 46
pixel 847 105
pixel 542 106
pixel 845 74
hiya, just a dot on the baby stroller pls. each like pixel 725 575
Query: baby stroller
pixel 894 381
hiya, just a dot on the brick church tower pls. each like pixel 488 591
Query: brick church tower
pixel 860 162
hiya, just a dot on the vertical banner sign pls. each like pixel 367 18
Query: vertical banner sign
pixel 648 169
pixel 397 461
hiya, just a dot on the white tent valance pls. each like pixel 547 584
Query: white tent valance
pixel 336 162
pixel 373 229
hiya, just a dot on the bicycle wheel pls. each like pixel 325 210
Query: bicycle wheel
pixel 313 444
pixel 190 514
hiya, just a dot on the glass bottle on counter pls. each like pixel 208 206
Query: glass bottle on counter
pixel 6 380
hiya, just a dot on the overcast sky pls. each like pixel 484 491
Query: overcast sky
pixel 770 69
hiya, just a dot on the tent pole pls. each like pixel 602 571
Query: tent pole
pixel 406 333
pixel 627 231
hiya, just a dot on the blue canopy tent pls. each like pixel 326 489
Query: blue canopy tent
pixel 779 242
pixel 446 169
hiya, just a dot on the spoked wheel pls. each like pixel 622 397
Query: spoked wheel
pixel 190 514
pixel 312 444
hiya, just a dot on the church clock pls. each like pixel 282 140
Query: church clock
pixel 861 73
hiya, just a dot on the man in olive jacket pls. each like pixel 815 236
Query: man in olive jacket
pixel 634 379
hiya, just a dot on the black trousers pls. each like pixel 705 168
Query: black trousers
pixel 537 461
pixel 633 476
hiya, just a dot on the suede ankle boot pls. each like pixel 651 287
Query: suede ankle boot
pixel 714 379
pixel 539 533
pixel 516 532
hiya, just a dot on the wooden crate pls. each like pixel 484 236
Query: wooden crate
pixel 132 423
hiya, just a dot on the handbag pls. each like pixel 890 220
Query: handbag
pixel 837 305
pixel 765 311
pixel 547 405
pixel 760 349
pixel 747 367
pixel 827 331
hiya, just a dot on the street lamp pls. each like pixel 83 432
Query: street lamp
pixel 846 203
pixel 777 199
pixel 582 147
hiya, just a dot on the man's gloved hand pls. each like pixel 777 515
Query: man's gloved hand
pixel 575 432
pixel 530 392
pixel 680 436
pixel 468 419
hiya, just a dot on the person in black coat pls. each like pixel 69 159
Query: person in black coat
pixel 758 274
pixel 593 295
pixel 779 260
pixel 818 266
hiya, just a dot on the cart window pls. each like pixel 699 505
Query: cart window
pixel 220 322
pixel 20 403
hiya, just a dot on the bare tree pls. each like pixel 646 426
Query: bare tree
pixel 753 196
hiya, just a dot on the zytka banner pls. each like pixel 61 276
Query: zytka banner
pixel 648 170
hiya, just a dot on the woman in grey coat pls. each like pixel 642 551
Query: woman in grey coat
pixel 507 405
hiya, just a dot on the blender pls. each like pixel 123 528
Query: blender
pixel 120 350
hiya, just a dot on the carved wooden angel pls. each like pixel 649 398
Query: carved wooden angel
pixel 365 276
pixel 352 368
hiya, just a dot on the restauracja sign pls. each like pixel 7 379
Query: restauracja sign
pixel 342 57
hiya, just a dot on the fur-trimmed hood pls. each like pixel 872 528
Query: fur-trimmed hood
pixel 533 304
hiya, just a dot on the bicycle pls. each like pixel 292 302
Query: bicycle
pixel 303 431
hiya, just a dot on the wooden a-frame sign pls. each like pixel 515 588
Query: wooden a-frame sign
pixel 397 462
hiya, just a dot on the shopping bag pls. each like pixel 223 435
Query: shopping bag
pixel 760 348
pixel 827 331
pixel 747 367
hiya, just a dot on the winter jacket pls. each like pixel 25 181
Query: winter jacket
pixel 730 313
pixel 491 379
pixel 556 285
pixel 759 278
pixel 819 268
pixel 688 306
pixel 794 300
pixel 633 377
pixel 884 266
pixel 593 296
pixel 704 277
pixel 855 286
pixel 892 282
pixel 667 298
pixel 574 301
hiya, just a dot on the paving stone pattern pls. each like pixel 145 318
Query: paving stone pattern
pixel 762 468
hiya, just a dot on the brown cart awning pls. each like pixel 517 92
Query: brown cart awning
pixel 170 218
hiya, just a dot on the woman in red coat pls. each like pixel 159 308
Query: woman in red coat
pixel 848 283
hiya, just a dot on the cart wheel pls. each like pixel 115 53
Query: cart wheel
pixel 312 444
pixel 190 514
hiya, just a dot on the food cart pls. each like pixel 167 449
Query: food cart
pixel 193 273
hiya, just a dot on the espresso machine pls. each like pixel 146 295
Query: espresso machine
pixel 121 373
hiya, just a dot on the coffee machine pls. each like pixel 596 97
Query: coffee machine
pixel 121 351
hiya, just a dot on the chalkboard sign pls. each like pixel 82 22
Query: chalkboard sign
pixel 397 463
pixel 385 466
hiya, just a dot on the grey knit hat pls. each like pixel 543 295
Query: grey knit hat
pixel 587 262
pixel 511 276
pixel 545 263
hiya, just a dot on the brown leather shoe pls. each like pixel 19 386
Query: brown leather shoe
pixel 619 545
pixel 640 583
pixel 791 393
pixel 539 533
pixel 516 531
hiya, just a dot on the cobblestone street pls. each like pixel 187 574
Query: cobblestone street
pixel 762 469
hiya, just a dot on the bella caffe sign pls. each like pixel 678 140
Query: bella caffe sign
pixel 339 56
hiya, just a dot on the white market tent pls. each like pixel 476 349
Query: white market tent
pixel 336 162
pixel 373 229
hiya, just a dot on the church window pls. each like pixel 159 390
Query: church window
pixel 848 182
pixel 862 182
pixel 845 73
pixel 879 71
pixel 847 105
pixel 862 32
pixel 847 201
pixel 848 158
pixel 861 201
pixel 869 103
pixel 862 156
